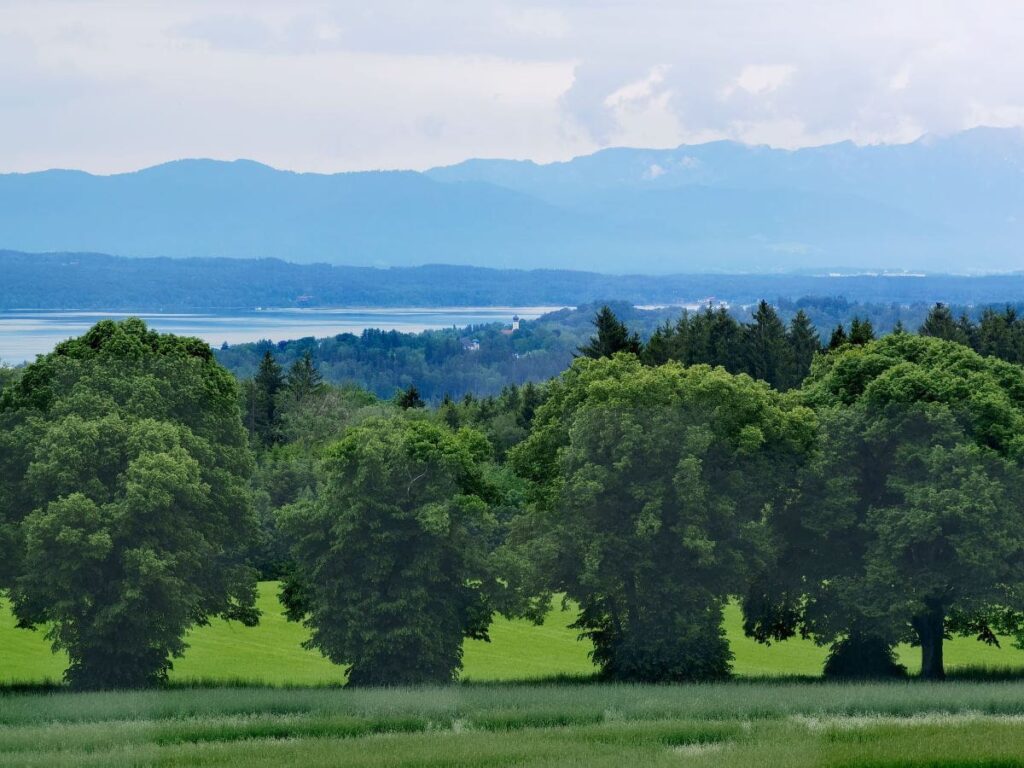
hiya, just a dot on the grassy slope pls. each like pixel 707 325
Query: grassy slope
pixel 738 724
pixel 272 653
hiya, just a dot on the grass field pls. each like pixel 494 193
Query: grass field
pixel 730 724
pixel 271 653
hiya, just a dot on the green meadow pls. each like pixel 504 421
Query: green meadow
pixel 730 724
pixel 254 697
pixel 272 653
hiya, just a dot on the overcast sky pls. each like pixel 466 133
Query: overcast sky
pixel 331 86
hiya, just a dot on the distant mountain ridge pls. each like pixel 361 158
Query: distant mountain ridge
pixel 950 204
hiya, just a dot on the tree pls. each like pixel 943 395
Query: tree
pixel 129 471
pixel 393 555
pixel 838 338
pixel 1001 334
pixel 861 332
pixel 804 343
pixel 908 524
pixel 768 354
pixel 303 379
pixel 612 336
pixel 262 407
pixel 409 398
pixel 939 324
pixel 649 485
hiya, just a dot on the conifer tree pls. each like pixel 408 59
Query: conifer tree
pixel 261 414
pixel 769 356
pixel 804 343
pixel 838 338
pixel 612 336
pixel 410 398
pixel 940 324
pixel 303 378
pixel 861 332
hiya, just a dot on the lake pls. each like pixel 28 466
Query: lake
pixel 27 333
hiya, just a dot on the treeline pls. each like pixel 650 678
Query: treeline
pixel 454 362
pixel 104 282
pixel 875 500
pixel 440 363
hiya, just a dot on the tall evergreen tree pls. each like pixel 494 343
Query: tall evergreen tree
pixel 769 356
pixel 410 398
pixel 1001 334
pixel 940 324
pixel 861 331
pixel 804 344
pixel 303 378
pixel 612 336
pixel 838 338
pixel 261 415
pixel 660 347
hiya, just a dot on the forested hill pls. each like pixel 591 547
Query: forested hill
pixel 448 362
pixel 104 282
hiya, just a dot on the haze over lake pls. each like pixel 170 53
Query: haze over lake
pixel 27 333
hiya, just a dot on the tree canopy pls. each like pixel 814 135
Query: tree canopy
pixel 650 484
pixel 394 554
pixel 909 522
pixel 125 462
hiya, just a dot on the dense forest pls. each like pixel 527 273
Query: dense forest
pixel 447 362
pixel 857 490
pixel 112 283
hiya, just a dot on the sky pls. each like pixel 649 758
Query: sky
pixel 336 86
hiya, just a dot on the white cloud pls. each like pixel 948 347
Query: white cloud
pixel 761 79
pixel 340 84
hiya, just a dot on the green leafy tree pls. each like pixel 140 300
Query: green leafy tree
pixel 909 524
pixel 650 484
pixel 612 336
pixel 128 470
pixel 393 556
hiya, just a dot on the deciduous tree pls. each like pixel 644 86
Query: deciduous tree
pixel 650 485
pixel 909 523
pixel 128 470
pixel 393 556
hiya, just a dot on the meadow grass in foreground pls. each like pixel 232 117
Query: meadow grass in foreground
pixel 271 653
pixel 730 724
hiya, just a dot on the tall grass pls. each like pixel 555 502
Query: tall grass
pixel 911 723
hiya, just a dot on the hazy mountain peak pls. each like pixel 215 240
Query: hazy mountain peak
pixel 941 203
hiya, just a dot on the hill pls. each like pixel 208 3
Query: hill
pixel 74 280
pixel 939 203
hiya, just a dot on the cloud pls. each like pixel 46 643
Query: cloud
pixel 338 84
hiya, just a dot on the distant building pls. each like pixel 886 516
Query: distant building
pixel 470 345
pixel 514 328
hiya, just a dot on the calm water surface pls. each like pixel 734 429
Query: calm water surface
pixel 25 334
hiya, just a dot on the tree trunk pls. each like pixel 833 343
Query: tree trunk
pixel 930 628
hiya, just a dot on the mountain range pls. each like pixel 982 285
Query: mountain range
pixel 940 204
